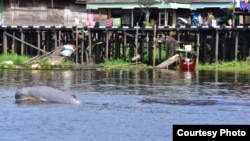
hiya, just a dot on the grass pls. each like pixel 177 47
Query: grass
pixel 226 66
pixel 16 59
pixel 121 64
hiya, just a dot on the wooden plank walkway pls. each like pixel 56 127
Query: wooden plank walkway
pixel 55 58
pixel 52 57
pixel 168 62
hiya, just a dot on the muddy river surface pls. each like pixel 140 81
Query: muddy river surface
pixel 122 105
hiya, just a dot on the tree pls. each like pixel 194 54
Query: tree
pixel 145 4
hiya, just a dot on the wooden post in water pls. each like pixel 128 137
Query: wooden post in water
pixel 124 45
pixel 38 41
pixel 154 46
pixel 90 46
pixel 55 38
pixel 107 45
pixel 43 34
pixel 5 41
pixel 76 51
pixel 13 45
pixel 204 47
pixel 198 47
pixel 224 45
pixel 60 38
pixel 178 35
pixel 22 44
pixel 236 46
pixel 82 47
pixel 136 41
pixel 216 45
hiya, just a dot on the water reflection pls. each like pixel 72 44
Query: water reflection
pixel 136 82
pixel 122 104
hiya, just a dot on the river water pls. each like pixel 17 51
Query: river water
pixel 119 105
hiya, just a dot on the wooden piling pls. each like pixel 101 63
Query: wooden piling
pixel 236 46
pixel 5 41
pixel 27 41
pixel 216 45
pixel 197 47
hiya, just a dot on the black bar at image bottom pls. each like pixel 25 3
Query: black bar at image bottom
pixel 211 132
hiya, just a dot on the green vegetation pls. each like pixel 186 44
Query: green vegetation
pixel 17 59
pixel 121 64
pixel 17 62
pixel 5 60
pixel 226 66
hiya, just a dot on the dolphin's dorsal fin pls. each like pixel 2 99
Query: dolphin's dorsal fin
pixel 73 96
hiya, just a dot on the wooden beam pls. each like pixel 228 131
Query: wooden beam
pixel 24 42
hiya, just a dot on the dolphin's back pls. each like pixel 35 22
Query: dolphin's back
pixel 49 94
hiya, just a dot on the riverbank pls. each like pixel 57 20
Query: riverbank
pixel 13 61
pixel 226 66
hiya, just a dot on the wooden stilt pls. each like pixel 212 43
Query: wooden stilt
pixel 124 45
pixel 236 46
pixel 5 41
pixel 82 48
pixel 90 46
pixel 22 44
pixel 13 45
pixel 55 38
pixel 59 37
pixel 107 44
pixel 154 46
pixel 38 40
pixel 43 40
pixel 217 45
pixel 76 42
pixel 198 47
pixel 136 41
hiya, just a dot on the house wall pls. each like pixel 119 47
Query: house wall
pixel 43 13
pixel 1 11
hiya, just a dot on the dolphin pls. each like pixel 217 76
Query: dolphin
pixel 44 94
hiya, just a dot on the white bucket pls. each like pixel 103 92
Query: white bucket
pixel 188 47
pixel 187 60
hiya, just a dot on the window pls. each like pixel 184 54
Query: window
pixel 162 18
pixel 125 16
pixel 247 20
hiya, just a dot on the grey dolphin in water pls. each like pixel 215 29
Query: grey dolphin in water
pixel 44 94
pixel 179 101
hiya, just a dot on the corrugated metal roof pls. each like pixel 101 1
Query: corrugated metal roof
pixel 165 5
pixel 202 5
pixel 135 5
pixel 112 5
pixel 174 1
